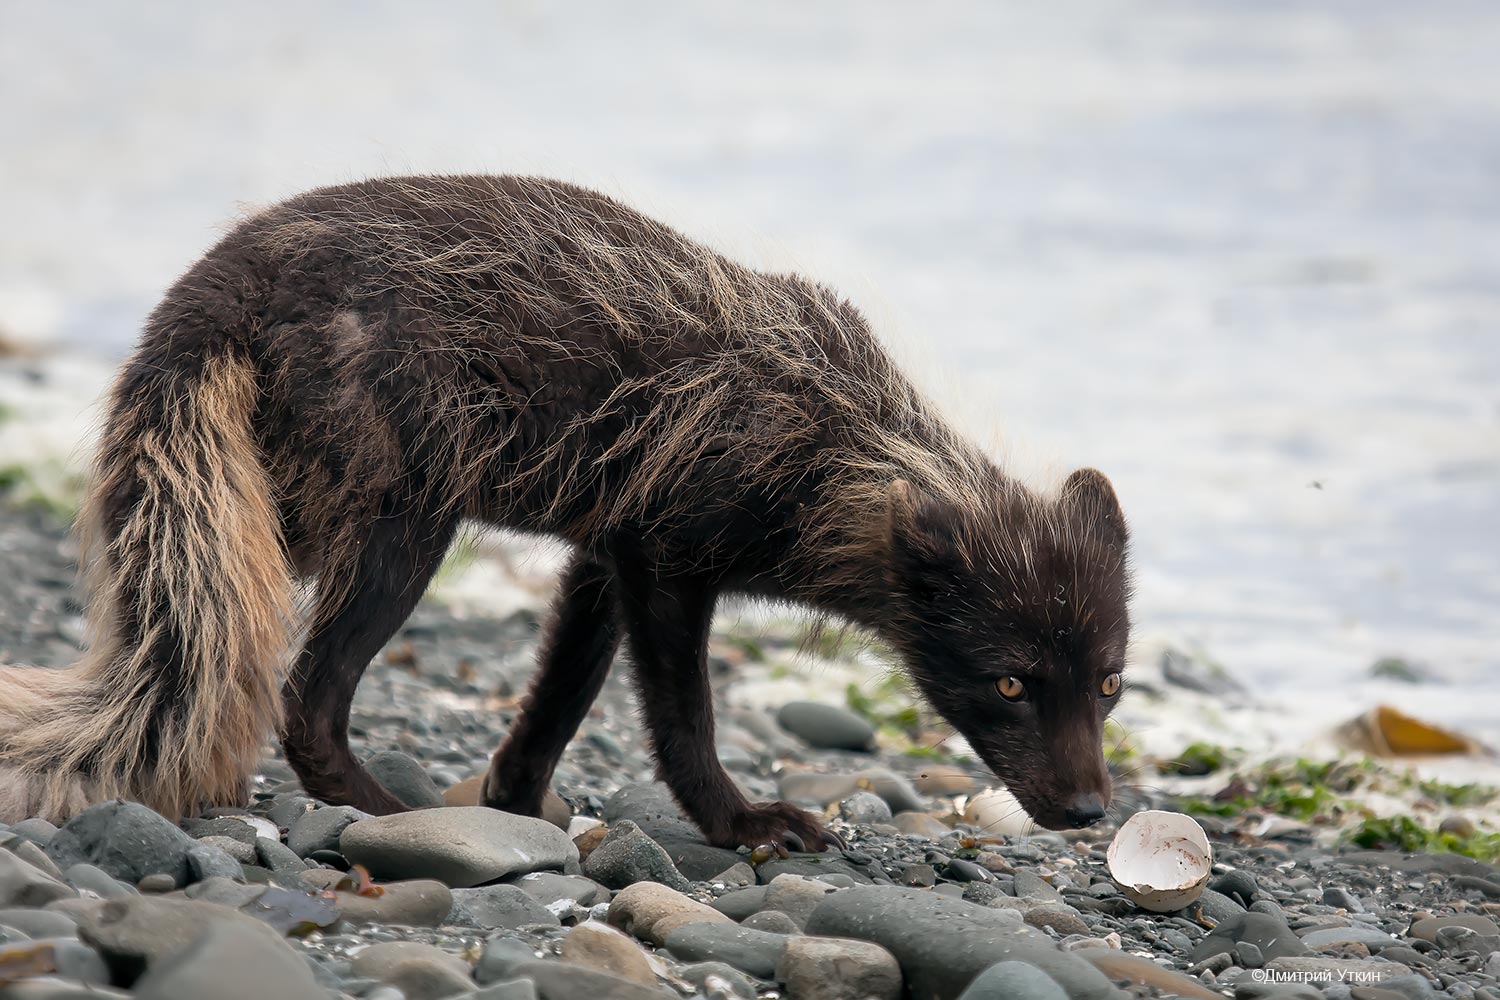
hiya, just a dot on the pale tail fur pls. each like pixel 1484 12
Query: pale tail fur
pixel 190 599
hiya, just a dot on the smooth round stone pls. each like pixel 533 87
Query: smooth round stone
pixel 650 911
pixel 865 807
pixel 126 840
pixel 745 948
pixel 1013 981
pixel 144 930
pixel 601 947
pixel 626 856
pixel 39 923
pixel 1063 919
pixel 1239 885
pixel 421 979
pixel 772 921
pixel 945 779
pixel 228 965
pixel 415 903
pixel 919 824
pixel 379 960
pixel 942 944
pixel 498 907
pixel 795 896
pixel 826 727
pixel 208 861
pixel 320 829
pixel 1427 928
pixel 458 845
pixel 1269 934
pixel 36 830
pixel 548 888
pixel 404 777
pixel 838 969
pixel 564 979
pixel 22 884
pixel 740 903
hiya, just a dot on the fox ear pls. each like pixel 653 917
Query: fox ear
pixel 1089 494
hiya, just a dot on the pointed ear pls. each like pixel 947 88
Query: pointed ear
pixel 1089 494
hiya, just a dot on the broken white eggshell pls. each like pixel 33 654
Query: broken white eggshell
pixel 1161 860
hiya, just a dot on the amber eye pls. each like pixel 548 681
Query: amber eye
pixel 1011 688
pixel 1110 686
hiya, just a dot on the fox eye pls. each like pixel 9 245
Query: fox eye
pixel 1011 688
pixel 1110 686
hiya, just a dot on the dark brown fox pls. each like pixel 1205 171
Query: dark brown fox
pixel 348 375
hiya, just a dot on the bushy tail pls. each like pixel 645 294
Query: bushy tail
pixel 190 608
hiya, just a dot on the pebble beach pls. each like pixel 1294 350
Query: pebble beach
pixel 1241 257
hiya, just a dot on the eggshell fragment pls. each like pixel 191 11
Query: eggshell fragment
pixel 1161 860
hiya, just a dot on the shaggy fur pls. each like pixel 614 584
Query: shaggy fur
pixel 350 374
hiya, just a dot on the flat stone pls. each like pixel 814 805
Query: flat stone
pixel 417 903
pixel 239 850
pixel 30 853
pixel 749 950
pixel 795 896
pixel 144 930
pixel 510 989
pixel 420 979
pixel 548 888
pixel 24 885
pixel 1060 917
pixel 740 903
pixel 460 846
pixel 838 969
pixel 627 855
pixel 650 911
pixel 39 923
pixel 224 964
pixel 1118 966
pixel 38 831
pixel 1331 937
pixel 1030 885
pixel 125 839
pixel 773 921
pixel 919 824
pixel 826 727
pixel 499 907
pixel 942 944
pixel 404 777
pixel 320 829
pixel 1427 928
pixel 604 949
pixel 380 960
pixel 1268 933
pixel 651 807
pixel 567 981
pixel 945 779
pixel 208 861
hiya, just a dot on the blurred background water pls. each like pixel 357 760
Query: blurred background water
pixel 1245 257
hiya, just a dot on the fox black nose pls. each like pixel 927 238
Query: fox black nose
pixel 1084 810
